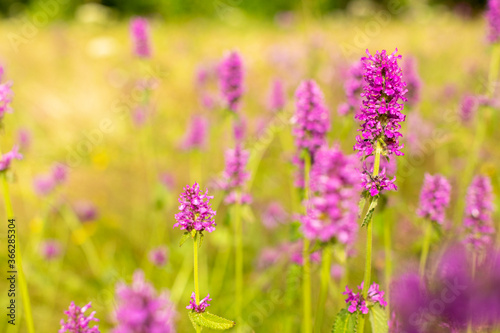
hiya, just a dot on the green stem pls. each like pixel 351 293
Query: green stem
pixel 19 264
pixel 425 247
pixel 369 240
pixel 325 279
pixel 306 268
pixel 195 273
pixel 388 258
pixel 238 245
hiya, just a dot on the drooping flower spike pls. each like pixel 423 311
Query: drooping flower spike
pixel 77 322
pixel 195 210
pixel 231 80
pixel 434 198
pixel 198 307
pixel 478 220
pixel 139 30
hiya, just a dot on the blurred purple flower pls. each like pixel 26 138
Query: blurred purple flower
pixel 77 321
pixel 295 251
pixel 353 87
pixel 276 96
pixel 43 184
pixel 274 215
pixel 198 307
pixel 158 256
pixel 50 249
pixel 24 138
pixel 139 116
pixel 168 180
pixel 434 198
pixel 413 82
pixel 86 211
pixel 239 128
pixel 5 95
pixel 268 257
pixel 235 175
pixel 59 173
pixel 231 80
pixel 196 134
pixel 478 220
pixel 140 309
pixel 195 211
pixel 7 158
pixel 139 30
pixel 337 272
pixel 493 17
pixel 468 108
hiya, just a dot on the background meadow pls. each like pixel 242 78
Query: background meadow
pixel 75 93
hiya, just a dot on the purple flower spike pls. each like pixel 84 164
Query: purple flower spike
pixel 353 88
pixel 231 80
pixel 413 82
pixel 493 17
pixel 357 302
pixel 196 134
pixel 468 108
pixel 335 195
pixel 195 211
pixel 7 158
pixel 59 173
pixel 478 213
pixel 139 30
pixel 141 309
pixel 198 307
pixel 235 175
pixel 277 96
pixel 434 198
pixel 311 120
pixel 77 321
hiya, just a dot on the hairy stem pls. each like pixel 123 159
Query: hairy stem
pixel 425 247
pixel 326 263
pixel 195 273
pixel 238 244
pixel 306 268
pixel 388 258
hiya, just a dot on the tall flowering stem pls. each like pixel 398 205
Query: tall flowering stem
pixel 306 267
pixel 195 273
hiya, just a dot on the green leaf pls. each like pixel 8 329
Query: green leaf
pixel 369 213
pixel 378 318
pixel 191 315
pixel 345 322
pixel 201 239
pixel 209 320
pixel 362 202
pixel 184 238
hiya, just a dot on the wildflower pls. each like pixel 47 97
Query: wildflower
pixel 274 215
pixel 167 180
pixel 139 30
pixel 158 256
pixel 46 183
pixel 434 198
pixel 333 207
pixel 50 249
pixel 86 211
pixel 195 211
pixel 59 173
pixel 196 134
pixel 77 321
pixel 141 309
pixel 231 80
pixel 493 17
pixel 353 87
pixel 235 175
pixel 311 120
pixel 413 82
pixel 7 158
pixel 478 213
pixel 239 128
pixel 277 96
pixel 5 96
pixel 381 113
pixel 357 302
pixel 24 138
pixel 198 307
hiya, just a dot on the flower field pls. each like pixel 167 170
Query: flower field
pixel 307 174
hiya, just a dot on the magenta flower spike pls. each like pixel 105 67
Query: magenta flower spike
pixel 493 17
pixel 413 82
pixel 468 108
pixel 231 80
pixel 235 176
pixel 5 95
pixel 478 220
pixel 357 302
pixel 380 115
pixel 141 309
pixel 195 212
pixel 7 158
pixel 353 87
pixel 434 198
pixel 196 134
pixel 77 322
pixel 199 308
pixel 139 31
pixel 335 188
pixel 277 98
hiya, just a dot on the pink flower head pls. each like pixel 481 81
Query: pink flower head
pixel 141 309
pixel 43 185
pixel 59 173
pixel 353 87
pixel 86 211
pixel 7 158
pixel 77 321
pixel 239 128
pixel 277 96
pixel 235 175
pixel 196 134
pixel 357 302
pixel 195 211
pixel 434 198
pixel 468 107
pixel 478 220
pixel 413 82
pixel 50 249
pixel 274 215
pixel 493 17
pixel 24 138
pixel 231 80
pixel 158 256
pixel 139 30
pixel 5 97
pixel 198 307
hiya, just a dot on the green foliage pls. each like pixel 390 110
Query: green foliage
pixel 345 322
pixel 369 213
pixel 209 320
pixel 378 319
pixel 184 238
